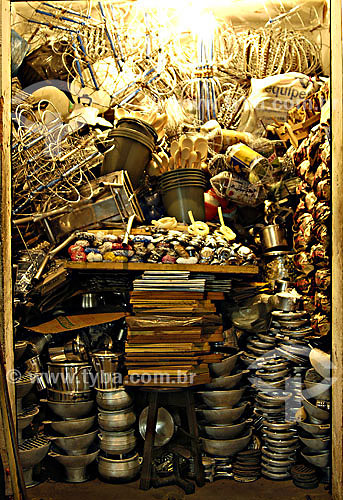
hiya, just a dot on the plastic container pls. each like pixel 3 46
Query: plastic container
pixel 133 142
pixel 181 194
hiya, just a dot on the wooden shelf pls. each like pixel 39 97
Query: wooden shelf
pixel 136 266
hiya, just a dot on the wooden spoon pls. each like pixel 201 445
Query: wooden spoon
pixel 173 148
pixel 192 160
pixel 177 158
pixel 201 145
pixel 171 163
pixel 185 153
pixel 187 143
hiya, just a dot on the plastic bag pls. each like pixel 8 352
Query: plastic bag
pixel 19 49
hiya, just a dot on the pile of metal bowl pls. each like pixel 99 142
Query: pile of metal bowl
pixel 223 429
pixel 279 450
pixel 70 397
pixel 33 450
pixel 118 460
pixel 314 431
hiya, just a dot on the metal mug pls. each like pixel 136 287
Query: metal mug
pixel 273 237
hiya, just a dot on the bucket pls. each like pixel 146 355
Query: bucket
pixel 179 195
pixel 133 142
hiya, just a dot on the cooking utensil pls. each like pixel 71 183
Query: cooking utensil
pixel 117 421
pixel 225 447
pixel 227 381
pixel 164 429
pixel 117 443
pixel 223 416
pixel 75 445
pixel 221 399
pixel 120 469
pixel 112 400
pixel 225 431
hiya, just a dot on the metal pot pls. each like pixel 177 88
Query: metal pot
pixel 286 301
pixel 273 237
pixel 113 400
pixel 106 364
pixel 69 376
pixel 125 469
pixel 69 396
pixel 117 443
pixel 116 420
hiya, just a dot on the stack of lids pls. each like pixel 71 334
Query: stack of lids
pixel 304 476
pixel 247 466
pixel 278 452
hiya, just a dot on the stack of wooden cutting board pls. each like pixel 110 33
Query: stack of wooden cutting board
pixel 169 335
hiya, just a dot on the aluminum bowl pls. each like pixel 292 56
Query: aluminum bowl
pixel 71 410
pixel 75 445
pixel 75 466
pixel 223 416
pixel 225 366
pixel 165 426
pixel 221 399
pixel 227 381
pixel 72 427
pixel 315 429
pixel 225 431
pixel 315 413
pixel 317 458
pixel 226 447
pixel 316 444
pixel 317 390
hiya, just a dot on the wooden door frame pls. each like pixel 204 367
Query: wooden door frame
pixel 6 327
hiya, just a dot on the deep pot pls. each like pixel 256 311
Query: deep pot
pixel 70 376
pixel 125 469
pixel 118 421
pixel 117 443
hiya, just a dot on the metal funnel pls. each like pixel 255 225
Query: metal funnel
pixel 75 467
pixel 72 427
pixel 31 452
pixel 75 445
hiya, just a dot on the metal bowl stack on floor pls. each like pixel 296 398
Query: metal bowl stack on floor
pixel 315 429
pixel 247 466
pixel 70 397
pixel 33 450
pixel 279 449
pixel 118 459
pixel 224 429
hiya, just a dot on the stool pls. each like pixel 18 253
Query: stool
pixel 181 397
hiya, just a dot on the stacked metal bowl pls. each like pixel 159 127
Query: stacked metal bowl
pixel 70 397
pixel 224 430
pixel 279 449
pixel 314 431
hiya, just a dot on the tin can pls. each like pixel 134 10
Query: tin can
pixel 244 159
